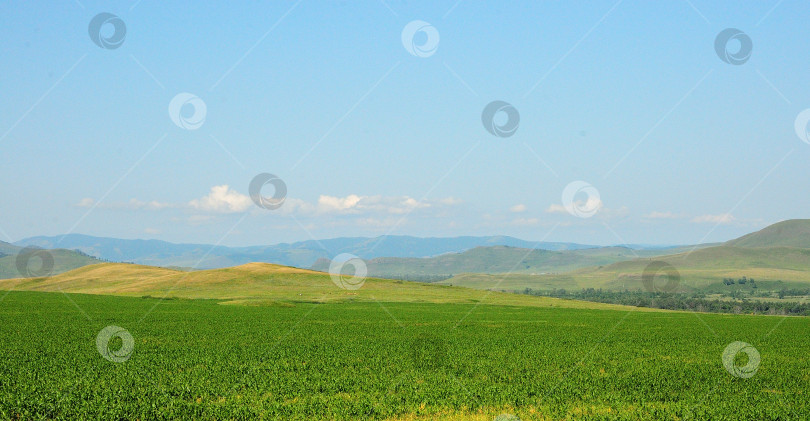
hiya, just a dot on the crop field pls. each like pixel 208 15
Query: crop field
pixel 372 360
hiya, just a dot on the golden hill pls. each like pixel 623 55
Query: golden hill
pixel 263 283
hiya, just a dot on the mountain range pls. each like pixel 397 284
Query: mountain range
pixel 779 251
pixel 500 259
pixel 777 256
pixel 299 254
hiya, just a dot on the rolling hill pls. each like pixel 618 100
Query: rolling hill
pixel 780 252
pixel 63 260
pixel 7 248
pixel 697 270
pixel 704 267
pixel 792 233
pixel 498 259
pixel 262 284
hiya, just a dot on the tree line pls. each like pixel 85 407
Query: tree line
pixel 678 301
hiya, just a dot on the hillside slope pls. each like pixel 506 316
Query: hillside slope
pixel 498 259
pixel 780 252
pixel 8 248
pixel 263 284
pixel 697 269
pixel 792 233
pixel 63 261
pixel 711 265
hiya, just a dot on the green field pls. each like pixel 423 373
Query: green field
pixel 382 360
pixel 264 341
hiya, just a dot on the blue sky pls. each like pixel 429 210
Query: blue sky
pixel 629 97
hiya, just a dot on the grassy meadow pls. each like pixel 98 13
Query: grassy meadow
pixel 390 360
pixel 261 284
pixel 701 269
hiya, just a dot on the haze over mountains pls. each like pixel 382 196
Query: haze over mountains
pixel 63 260
pixel 500 259
pixel 301 254
pixel 778 254
pixel 780 251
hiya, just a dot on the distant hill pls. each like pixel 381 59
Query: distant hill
pixel 63 260
pixel 495 259
pixel 699 269
pixel 778 255
pixel 153 252
pixel 499 259
pixel 263 284
pixel 6 248
pixel 792 233
pixel 711 265
pixel 301 254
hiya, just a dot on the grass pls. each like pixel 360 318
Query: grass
pixel 513 281
pixel 263 284
pixel 792 233
pixel 701 269
pixel 63 261
pixel 398 361
pixel 500 259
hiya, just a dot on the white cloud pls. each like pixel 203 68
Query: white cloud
pixel 86 203
pixel 451 201
pixel 360 205
pixel 411 203
pixel 392 205
pixel 222 199
pixel 722 219
pixel 525 221
pixel 611 213
pixel 588 207
pixel 518 208
pixel 355 205
pixel 152 231
pixel 593 203
pixel 661 215
pixel 338 204
pixel 555 208
pixel 377 223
